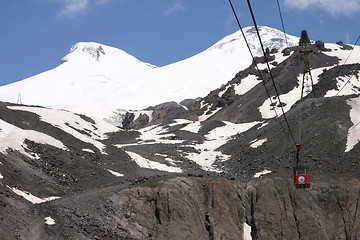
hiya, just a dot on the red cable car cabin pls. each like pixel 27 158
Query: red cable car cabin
pixel 301 177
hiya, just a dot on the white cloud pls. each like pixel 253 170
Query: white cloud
pixel 174 8
pixel 229 24
pixel 334 7
pixel 71 8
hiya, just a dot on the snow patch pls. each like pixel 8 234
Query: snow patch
pixel 207 153
pixel 49 221
pixel 178 122
pixel 87 150
pixel 257 143
pixel 263 125
pixel 344 55
pixel 156 134
pixel 145 163
pixel 246 84
pixel 259 174
pixel 267 111
pixel 1 176
pixel 224 91
pixel 354 131
pixel 206 116
pixel 137 114
pixel 192 127
pixel 347 85
pixel 167 158
pixel 115 173
pixel 105 118
pixel 247 232
pixel 31 198
pixel 14 137
pixel 72 124
pixel 34 156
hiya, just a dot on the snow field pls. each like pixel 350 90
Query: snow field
pixel 14 137
pixel 214 139
pixel 192 127
pixel 156 134
pixel 101 115
pixel 31 198
pixel 294 95
pixel 346 56
pixel 93 74
pixel 354 131
pixel 207 150
pixel 206 116
pixel 347 85
pixel 67 121
pixel 145 163
pixel 279 58
pixel 267 111
pixel 246 84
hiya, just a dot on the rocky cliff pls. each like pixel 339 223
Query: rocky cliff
pixel 217 208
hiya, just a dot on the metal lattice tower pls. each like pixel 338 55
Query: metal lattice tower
pixel 19 99
pixel 307 80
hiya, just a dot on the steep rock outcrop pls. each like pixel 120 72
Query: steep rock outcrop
pixel 328 210
pixel 217 208
pixel 182 208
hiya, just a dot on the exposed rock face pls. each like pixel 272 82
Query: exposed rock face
pixel 216 208
pixel 183 208
pixel 327 211
pixel 167 112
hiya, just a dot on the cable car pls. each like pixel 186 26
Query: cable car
pixel 301 177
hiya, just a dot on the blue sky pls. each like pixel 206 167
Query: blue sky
pixel 36 34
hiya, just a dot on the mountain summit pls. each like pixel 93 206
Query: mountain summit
pixel 93 74
pixel 85 53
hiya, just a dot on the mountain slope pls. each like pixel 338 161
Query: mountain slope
pixel 74 176
pixel 92 74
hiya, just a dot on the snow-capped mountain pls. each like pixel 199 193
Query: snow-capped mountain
pixel 93 74
pixel 66 175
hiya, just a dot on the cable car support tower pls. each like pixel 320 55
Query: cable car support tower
pixel 301 173
pixel 307 80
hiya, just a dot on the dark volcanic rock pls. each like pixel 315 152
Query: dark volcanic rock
pixel 328 210
pixel 164 113
pixel 321 46
pixel 182 208
pixel 140 122
pixel 216 208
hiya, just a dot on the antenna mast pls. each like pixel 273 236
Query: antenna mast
pixel 19 99
pixel 347 37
